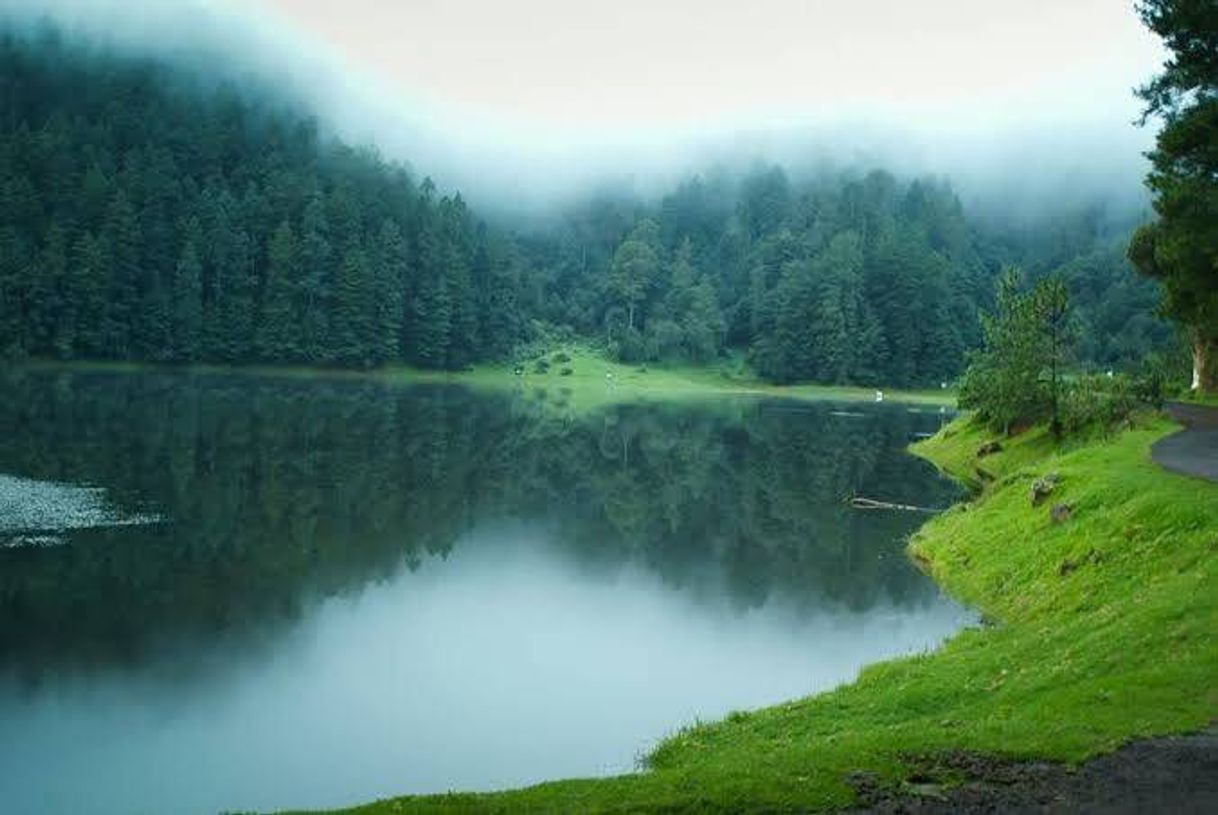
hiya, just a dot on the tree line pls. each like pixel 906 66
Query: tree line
pixel 148 214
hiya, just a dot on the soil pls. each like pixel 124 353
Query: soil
pixel 1177 774
pixel 1194 450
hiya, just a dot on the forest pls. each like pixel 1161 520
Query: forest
pixel 148 214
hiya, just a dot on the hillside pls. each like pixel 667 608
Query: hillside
pixel 148 213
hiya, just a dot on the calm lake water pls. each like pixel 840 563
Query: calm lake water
pixel 222 593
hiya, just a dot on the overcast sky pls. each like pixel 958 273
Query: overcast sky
pixel 680 64
pixel 525 102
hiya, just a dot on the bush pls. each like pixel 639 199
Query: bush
pixel 1150 383
pixel 566 372
pixel 1097 402
pixel 1004 399
pixel 561 357
pixel 541 366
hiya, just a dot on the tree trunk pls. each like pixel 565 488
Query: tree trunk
pixel 1205 364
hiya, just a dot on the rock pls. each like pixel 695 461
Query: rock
pixel 989 448
pixel 1041 487
pixel 1061 513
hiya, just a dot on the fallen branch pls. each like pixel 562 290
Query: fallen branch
pixel 858 502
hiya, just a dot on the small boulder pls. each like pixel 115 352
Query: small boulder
pixel 1041 488
pixel 989 448
pixel 1061 513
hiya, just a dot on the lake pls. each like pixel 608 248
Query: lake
pixel 224 592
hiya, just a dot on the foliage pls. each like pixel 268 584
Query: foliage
pixel 1180 249
pixel 842 277
pixel 1016 378
pixel 1102 402
pixel 1152 382
pixel 147 215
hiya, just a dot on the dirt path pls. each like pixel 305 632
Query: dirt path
pixel 1194 450
pixel 1177 774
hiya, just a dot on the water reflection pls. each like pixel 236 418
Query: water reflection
pixel 360 590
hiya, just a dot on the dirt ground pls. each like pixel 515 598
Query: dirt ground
pixel 1170 775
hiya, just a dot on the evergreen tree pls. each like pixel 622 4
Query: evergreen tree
pixel 354 329
pixel 122 295
pixel 277 336
pixel 1180 249
pixel 310 301
pixel 188 304
pixel 391 271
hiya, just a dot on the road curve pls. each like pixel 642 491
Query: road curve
pixel 1194 450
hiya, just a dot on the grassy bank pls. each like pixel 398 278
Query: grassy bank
pixel 1207 399
pixel 593 380
pixel 1104 627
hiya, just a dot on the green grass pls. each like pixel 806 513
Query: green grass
pixel 1104 628
pixel 594 381
pixel 1195 398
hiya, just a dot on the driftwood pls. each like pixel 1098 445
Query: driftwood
pixel 858 502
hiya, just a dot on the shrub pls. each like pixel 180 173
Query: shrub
pixel 1151 382
pixel 1101 402
pixel 561 357
pixel 566 372
pixel 541 366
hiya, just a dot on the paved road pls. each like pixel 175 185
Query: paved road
pixel 1194 450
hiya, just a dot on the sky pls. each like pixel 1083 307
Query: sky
pixel 682 64
pixel 538 99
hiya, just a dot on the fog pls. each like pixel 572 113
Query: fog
pixel 1027 107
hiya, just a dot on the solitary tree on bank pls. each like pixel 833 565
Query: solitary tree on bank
pixel 1016 377
pixel 1180 248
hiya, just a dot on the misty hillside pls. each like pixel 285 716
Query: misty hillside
pixel 148 215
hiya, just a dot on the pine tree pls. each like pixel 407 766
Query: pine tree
pixel 354 326
pixel 13 270
pixel 122 293
pixel 277 337
pixel 89 285
pixel 47 284
pixel 1180 249
pixel 389 281
pixel 188 304
pixel 311 301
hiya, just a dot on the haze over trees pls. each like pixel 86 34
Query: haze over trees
pixel 1180 248
pixel 149 214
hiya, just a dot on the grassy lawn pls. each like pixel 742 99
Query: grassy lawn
pixel 595 381
pixel 1104 627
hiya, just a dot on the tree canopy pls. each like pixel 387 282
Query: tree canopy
pixel 1180 248
pixel 148 213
